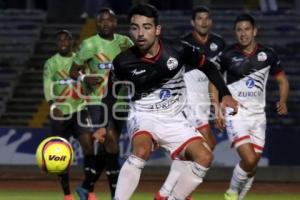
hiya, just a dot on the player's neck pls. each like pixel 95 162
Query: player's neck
pixel 250 48
pixel 153 51
pixel 69 54
pixel 200 37
pixel 106 37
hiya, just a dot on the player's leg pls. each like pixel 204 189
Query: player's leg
pixel 258 140
pixel 112 157
pixel 195 169
pixel 130 172
pixel 249 149
pixel 208 135
pixel 84 134
pixel 60 128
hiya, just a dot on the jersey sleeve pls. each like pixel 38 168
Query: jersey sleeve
pixel 117 72
pixel 47 81
pixel 275 63
pixel 192 55
pixel 84 53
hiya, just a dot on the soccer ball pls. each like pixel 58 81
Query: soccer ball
pixel 54 155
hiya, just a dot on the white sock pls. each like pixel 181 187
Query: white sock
pixel 129 177
pixel 189 180
pixel 176 169
pixel 238 179
pixel 246 188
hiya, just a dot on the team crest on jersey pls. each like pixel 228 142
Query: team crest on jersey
pixel 172 63
pixel 262 56
pixel 213 46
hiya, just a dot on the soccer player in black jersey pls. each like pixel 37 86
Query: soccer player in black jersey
pixel 157 107
pixel 248 65
pixel 198 86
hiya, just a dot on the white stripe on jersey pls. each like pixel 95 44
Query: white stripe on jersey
pixel 169 99
pixel 250 91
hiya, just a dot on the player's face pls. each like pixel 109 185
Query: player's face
pixel 64 44
pixel 144 32
pixel 202 23
pixel 245 33
pixel 106 24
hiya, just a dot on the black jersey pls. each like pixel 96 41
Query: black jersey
pixel 247 74
pixel 213 47
pixel 159 84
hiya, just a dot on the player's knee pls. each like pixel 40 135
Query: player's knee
pixel 250 162
pixel 142 152
pixel 203 158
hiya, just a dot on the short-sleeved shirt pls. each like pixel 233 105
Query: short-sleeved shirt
pixel 158 82
pixel 213 47
pixel 247 74
pixel 98 53
pixel 59 87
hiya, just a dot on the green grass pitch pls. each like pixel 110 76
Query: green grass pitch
pixel 138 196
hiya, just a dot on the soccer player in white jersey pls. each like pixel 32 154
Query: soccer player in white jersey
pixel 155 67
pixel 248 65
pixel 198 87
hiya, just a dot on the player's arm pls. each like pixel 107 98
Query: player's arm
pixel 84 54
pixel 283 92
pixel 48 90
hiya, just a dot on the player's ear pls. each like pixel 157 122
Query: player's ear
pixel 255 31
pixel 158 30
pixel 192 23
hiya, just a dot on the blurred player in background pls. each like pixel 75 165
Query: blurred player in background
pixel 197 85
pixel 68 113
pixel 157 109
pixel 248 65
pixel 97 52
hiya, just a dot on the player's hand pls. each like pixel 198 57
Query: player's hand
pixel 281 108
pixel 100 135
pixel 219 120
pixel 229 101
pixel 93 80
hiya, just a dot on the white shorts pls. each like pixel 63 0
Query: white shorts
pixel 197 98
pixel 171 133
pixel 247 127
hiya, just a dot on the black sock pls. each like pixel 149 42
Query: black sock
pixel 90 172
pixel 64 181
pixel 112 170
pixel 100 165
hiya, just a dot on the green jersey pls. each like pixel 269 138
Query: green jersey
pixel 98 53
pixel 59 87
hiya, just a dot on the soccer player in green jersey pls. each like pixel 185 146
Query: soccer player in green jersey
pixel 68 112
pixel 97 53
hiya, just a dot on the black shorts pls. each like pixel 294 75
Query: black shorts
pixel 102 115
pixel 78 123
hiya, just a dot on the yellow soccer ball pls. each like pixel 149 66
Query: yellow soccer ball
pixel 54 155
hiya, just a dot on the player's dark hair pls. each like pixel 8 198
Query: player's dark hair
pixel 107 10
pixel 145 10
pixel 200 9
pixel 245 17
pixel 66 32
